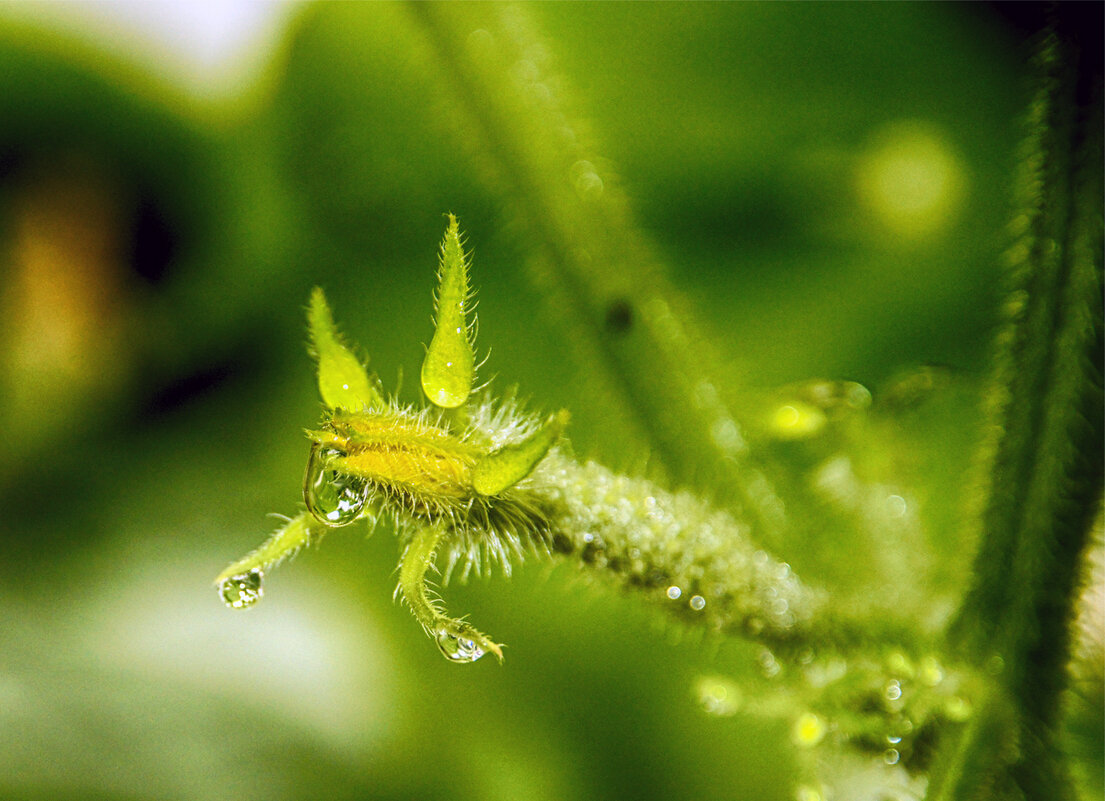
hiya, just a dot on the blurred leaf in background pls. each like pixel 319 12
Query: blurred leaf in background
pixel 827 183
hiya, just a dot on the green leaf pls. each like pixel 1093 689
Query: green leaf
pixel 343 381
pixel 449 368
pixel 508 465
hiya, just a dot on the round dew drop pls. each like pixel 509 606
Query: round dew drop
pixel 333 498
pixel 243 590
pixel 457 649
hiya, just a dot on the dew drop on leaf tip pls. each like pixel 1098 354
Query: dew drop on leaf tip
pixel 243 590
pixel 333 499
pixel 458 649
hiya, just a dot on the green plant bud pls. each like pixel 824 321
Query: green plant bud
pixel 343 381
pixel 449 369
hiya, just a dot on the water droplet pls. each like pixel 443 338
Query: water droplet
pixel 335 499
pixel 674 592
pixel 891 756
pixel 243 590
pixel 458 648
pixel 698 603
pixel 893 690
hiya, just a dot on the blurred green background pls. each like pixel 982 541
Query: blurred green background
pixel 828 184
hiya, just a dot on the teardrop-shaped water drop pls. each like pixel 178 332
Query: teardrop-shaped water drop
pixel 335 499
pixel 243 590
pixel 458 648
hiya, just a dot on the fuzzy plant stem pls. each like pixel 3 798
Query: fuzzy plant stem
pixel 624 319
pixel 1042 457
pixel 699 563
pixel 696 561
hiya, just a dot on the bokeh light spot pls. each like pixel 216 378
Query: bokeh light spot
pixel 911 179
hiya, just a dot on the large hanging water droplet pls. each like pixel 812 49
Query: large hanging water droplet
pixel 458 648
pixel 335 499
pixel 243 590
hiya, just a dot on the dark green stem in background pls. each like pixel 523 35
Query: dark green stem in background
pixel 625 321
pixel 1043 454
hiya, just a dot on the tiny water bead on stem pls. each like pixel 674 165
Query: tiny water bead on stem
pixel 470 482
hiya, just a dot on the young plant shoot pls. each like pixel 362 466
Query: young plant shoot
pixel 469 481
